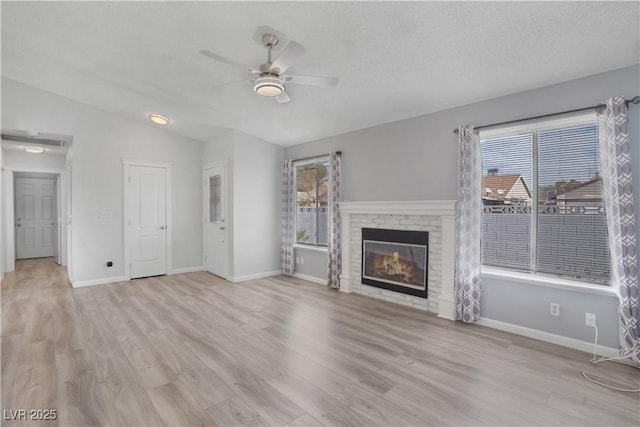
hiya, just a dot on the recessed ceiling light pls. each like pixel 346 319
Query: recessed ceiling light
pixel 159 119
pixel 34 150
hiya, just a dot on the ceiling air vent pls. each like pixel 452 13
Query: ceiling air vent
pixel 33 140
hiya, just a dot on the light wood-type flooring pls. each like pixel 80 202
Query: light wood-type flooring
pixel 193 349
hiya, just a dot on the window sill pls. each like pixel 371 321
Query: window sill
pixel 310 248
pixel 549 282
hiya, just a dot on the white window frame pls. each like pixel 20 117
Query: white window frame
pixel 539 125
pixel 296 164
pixel 533 278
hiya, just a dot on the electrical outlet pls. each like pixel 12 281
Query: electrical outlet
pixel 590 319
pixel 297 260
pixel 301 261
pixel 554 309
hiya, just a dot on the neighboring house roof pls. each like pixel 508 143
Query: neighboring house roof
pixel 499 187
pixel 588 191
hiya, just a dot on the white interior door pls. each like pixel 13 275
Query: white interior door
pixel 35 217
pixel 215 196
pixel 147 218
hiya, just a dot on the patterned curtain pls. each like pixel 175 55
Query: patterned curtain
pixel 615 168
pixel 288 216
pixel 334 258
pixel 468 226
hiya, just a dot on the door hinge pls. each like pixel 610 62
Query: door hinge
pixel 205 257
pixel 129 179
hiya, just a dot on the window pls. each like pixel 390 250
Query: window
pixel 312 185
pixel 215 205
pixel 542 200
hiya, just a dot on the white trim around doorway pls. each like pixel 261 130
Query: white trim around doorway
pixel 8 216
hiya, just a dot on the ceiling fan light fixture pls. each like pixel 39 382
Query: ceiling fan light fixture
pixel 34 150
pixel 268 86
pixel 159 119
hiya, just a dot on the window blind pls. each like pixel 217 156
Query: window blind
pixel 507 200
pixel 542 203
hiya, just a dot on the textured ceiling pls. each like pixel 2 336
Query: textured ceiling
pixel 394 60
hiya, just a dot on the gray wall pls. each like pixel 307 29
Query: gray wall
pixel 311 262
pixel 416 159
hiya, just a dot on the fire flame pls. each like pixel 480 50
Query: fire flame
pixel 387 265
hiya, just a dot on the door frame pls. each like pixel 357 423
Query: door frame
pixel 55 178
pixel 68 215
pixel 8 217
pixel 128 163
pixel 205 214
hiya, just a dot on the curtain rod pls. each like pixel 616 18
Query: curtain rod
pixel 315 157
pixel 634 100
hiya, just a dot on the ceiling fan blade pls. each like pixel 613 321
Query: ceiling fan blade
pixel 282 98
pixel 291 52
pixel 229 61
pixel 311 80
pixel 236 83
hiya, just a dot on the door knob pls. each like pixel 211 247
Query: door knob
pixel 53 224
pixel 19 225
pixel 222 228
pixel 162 227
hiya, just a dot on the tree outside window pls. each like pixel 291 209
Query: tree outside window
pixel 312 187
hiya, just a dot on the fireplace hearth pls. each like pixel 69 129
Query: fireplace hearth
pixel 396 260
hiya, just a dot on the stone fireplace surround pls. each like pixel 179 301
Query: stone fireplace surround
pixel 435 216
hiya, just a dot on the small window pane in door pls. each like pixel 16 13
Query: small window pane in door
pixel 215 206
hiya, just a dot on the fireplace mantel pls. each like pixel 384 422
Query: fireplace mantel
pixel 443 210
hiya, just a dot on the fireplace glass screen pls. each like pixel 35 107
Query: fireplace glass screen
pixel 395 260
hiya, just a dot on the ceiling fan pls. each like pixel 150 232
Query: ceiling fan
pixel 270 78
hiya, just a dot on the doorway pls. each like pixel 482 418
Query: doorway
pixel 216 253
pixel 46 206
pixel 37 216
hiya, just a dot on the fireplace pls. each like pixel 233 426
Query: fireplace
pixel 396 260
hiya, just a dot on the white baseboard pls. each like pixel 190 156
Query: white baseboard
pixel 185 270
pixel 104 281
pixel 573 343
pixel 254 276
pixel 310 278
